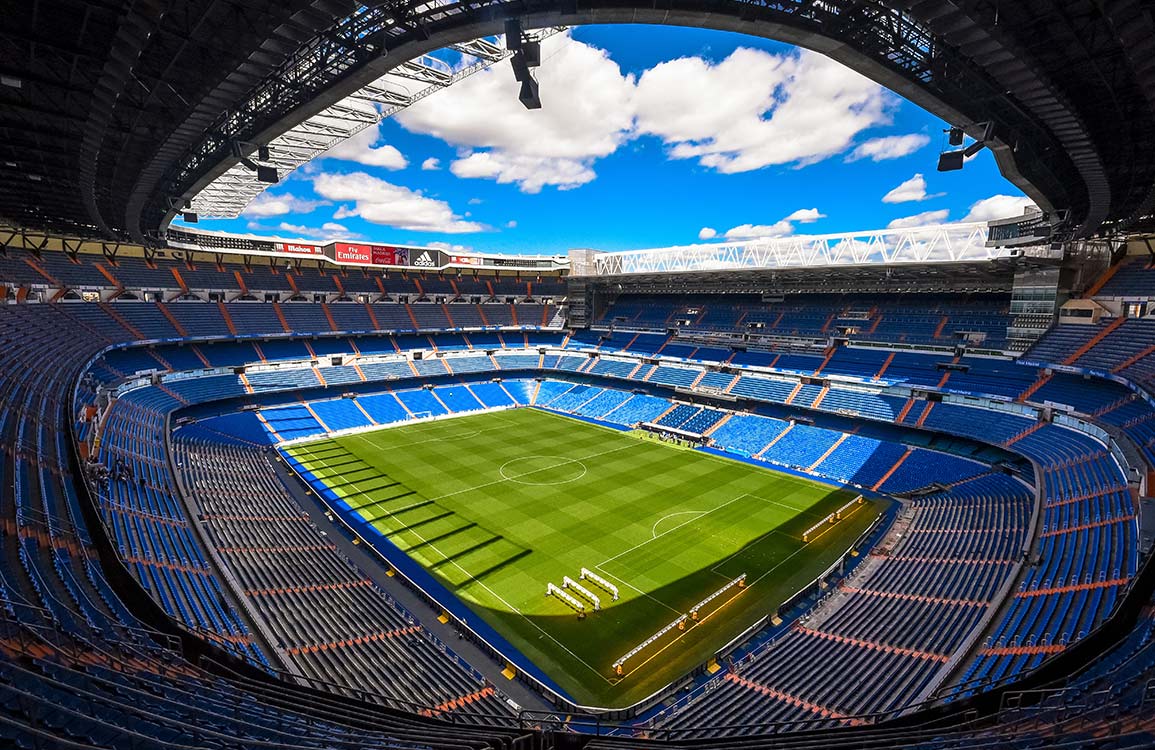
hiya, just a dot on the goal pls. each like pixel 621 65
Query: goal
pixel 588 575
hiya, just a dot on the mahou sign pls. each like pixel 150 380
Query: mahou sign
pixel 297 248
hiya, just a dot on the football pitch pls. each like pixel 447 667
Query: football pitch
pixel 498 505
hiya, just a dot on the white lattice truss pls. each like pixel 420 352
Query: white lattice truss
pixel 403 86
pixel 947 243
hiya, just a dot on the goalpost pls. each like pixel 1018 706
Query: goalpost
pixel 569 583
pixel 552 590
pixel 586 573
pixel 831 519
pixel 684 622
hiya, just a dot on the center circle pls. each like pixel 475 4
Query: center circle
pixel 541 471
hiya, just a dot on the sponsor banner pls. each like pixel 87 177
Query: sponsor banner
pixel 390 256
pixel 467 260
pixel 426 258
pixel 296 248
pixel 345 252
pixel 386 255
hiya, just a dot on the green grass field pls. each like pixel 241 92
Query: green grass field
pixel 497 505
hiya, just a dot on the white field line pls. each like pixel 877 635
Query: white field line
pixel 701 514
pixel 795 552
pixel 534 471
pixel 748 586
pixel 461 436
pixel 727 558
pixel 654 528
pixel 629 585
pixel 672 529
pixel 428 545
pixel 788 557
pixel 507 605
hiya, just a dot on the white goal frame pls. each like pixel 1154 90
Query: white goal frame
pixel 587 574
pixel 569 583
pixel 552 590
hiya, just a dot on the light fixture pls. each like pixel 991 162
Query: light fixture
pixel 526 55
pixel 266 174
pixel 952 161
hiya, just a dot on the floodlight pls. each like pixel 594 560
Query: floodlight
pixel 520 68
pixel 951 161
pixel 531 50
pixel 513 34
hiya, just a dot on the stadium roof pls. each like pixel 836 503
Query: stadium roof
pixel 113 113
pixel 955 277
pixel 948 243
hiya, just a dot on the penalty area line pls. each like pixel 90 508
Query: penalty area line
pixel 509 607
pixel 745 589
pixel 672 530
pixel 654 529
pixel 701 514
pixel 683 634
pixel 627 584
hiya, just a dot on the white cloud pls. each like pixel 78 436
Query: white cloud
pixel 806 216
pixel 587 114
pixel 911 191
pixel 361 148
pixel 763 109
pixel 267 204
pixel 328 230
pixel 781 228
pixel 757 231
pixel 380 202
pixel 988 209
pixel 999 207
pixel 450 248
pixel 707 233
pixel 925 219
pixel 432 164
pixel 890 147
pixel 475 201
pixel 511 224
pixel 530 173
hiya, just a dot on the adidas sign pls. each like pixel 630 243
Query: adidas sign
pixel 425 260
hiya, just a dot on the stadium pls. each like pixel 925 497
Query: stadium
pixel 869 489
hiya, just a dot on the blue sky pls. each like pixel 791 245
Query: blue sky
pixel 648 137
